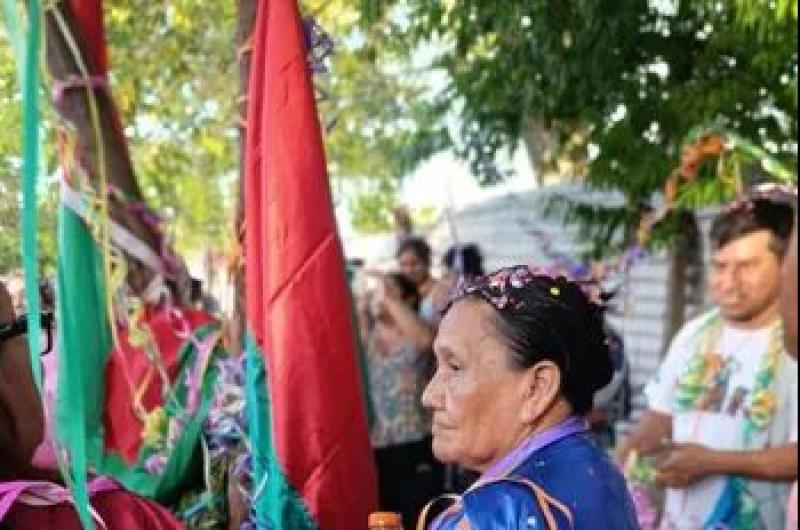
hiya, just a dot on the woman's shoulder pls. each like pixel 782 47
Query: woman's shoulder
pixel 510 503
pixel 577 464
pixel 571 482
pixel 579 474
pixel 523 503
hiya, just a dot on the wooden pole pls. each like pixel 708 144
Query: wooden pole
pixel 238 505
pixel 75 108
pixel 244 31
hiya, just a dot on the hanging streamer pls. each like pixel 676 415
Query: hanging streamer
pixel 30 172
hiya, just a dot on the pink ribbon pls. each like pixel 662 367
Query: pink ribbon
pixel 75 81
pixel 39 494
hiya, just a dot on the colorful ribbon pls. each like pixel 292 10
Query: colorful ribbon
pixel 42 494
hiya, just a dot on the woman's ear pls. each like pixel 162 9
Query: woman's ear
pixel 542 384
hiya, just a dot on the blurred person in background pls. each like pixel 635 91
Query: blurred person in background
pixel 414 257
pixel 789 311
pixel 462 261
pixel 722 417
pixel 399 366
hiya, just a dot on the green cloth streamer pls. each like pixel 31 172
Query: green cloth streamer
pixel 85 344
pixel 276 504
pixel 30 172
pixel 84 341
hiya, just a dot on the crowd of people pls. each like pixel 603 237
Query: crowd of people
pixel 719 435
pixel 487 389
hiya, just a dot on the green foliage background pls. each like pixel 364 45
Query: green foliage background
pixel 616 84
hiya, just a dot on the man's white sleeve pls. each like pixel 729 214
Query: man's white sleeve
pixel 660 391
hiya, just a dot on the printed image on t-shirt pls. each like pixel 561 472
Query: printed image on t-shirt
pixel 718 378
pixel 737 401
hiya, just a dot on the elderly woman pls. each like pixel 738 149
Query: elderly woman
pixel 399 366
pixel 520 356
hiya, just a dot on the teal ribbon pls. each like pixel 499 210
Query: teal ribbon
pixel 26 53
pixel 30 173
pixel 26 57
pixel 736 509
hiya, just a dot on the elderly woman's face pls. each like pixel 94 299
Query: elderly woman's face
pixel 475 396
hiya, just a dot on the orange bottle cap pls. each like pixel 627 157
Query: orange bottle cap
pixel 389 519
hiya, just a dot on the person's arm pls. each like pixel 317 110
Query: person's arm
pixel 688 463
pixel 363 318
pixel 411 325
pixel 21 413
pixel 653 433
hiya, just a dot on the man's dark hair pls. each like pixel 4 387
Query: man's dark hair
pixel 752 216
pixel 471 263
pixel 418 246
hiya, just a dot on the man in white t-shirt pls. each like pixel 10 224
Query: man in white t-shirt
pixel 789 309
pixel 722 419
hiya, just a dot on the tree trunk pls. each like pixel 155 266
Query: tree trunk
pixel 540 145
pixel 244 31
pixel 238 505
pixel 107 138
pixel 684 259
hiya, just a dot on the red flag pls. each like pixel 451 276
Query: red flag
pixel 89 19
pixel 297 297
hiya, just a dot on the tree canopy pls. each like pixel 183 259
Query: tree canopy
pixel 174 80
pixel 596 89
pixel 605 90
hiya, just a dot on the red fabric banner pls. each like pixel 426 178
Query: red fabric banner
pixel 89 18
pixel 298 300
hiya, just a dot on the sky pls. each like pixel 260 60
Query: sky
pixel 441 182
pixel 444 180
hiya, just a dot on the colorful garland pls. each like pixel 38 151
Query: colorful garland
pixel 703 373
pixel 706 367
pixel 640 475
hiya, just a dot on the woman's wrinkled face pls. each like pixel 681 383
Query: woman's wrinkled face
pixel 475 396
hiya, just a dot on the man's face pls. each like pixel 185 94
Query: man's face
pixel 789 296
pixel 745 278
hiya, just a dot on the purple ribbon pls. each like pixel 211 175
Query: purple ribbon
pixel 319 45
